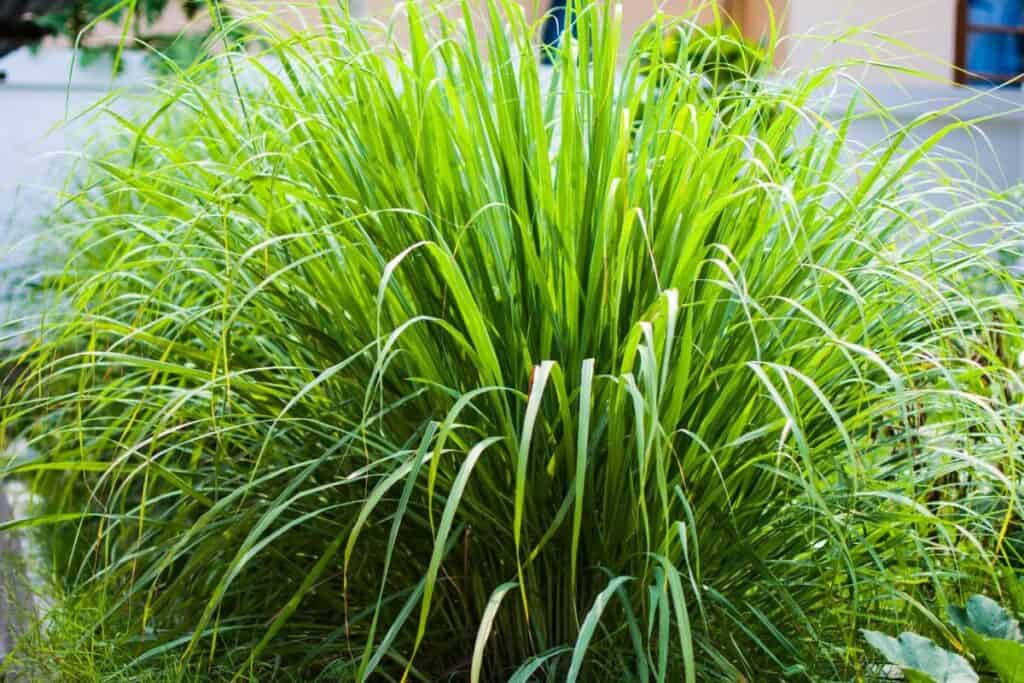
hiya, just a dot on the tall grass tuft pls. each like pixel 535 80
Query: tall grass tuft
pixel 396 356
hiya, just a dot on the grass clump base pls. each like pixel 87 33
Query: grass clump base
pixel 424 363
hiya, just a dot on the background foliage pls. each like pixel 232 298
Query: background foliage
pixel 78 20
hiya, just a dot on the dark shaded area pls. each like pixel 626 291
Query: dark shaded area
pixel 17 22
pixel 554 26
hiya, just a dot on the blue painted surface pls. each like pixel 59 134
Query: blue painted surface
pixel 995 53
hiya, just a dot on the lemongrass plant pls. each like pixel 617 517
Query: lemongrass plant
pixel 397 357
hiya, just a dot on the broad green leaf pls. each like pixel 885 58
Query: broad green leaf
pixel 992 632
pixel 1006 657
pixel 987 618
pixel 921 659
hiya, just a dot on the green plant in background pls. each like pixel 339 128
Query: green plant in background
pixel 77 16
pixel 920 660
pixel 77 20
pixel 719 50
pixel 990 632
pixel 424 363
pixel 717 53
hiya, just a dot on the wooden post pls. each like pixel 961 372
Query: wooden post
pixel 734 8
pixel 752 16
pixel 960 44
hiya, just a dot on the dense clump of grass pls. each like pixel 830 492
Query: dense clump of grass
pixel 378 362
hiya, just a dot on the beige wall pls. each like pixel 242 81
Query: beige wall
pixel 920 34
